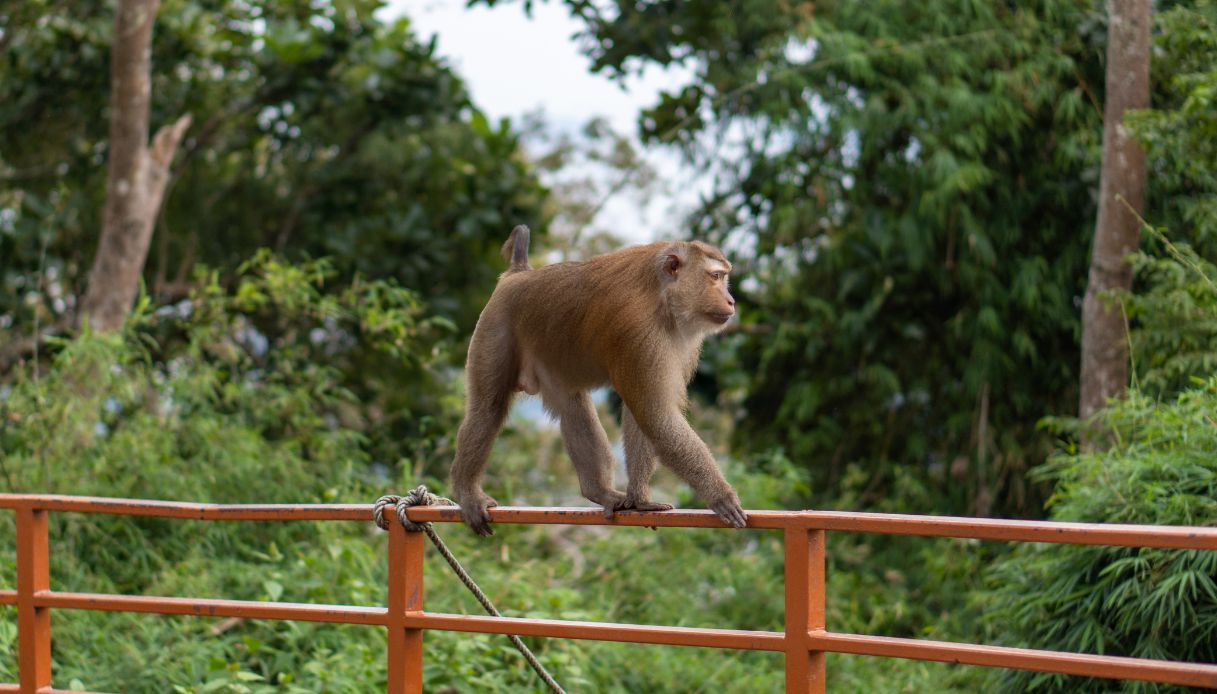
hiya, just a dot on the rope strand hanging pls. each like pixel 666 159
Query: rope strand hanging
pixel 420 496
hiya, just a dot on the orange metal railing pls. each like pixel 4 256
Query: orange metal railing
pixel 804 641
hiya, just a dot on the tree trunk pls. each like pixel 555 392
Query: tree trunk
pixel 137 174
pixel 1121 187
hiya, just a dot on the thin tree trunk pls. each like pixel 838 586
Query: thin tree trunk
pixel 1117 232
pixel 137 175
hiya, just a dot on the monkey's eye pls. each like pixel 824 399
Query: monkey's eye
pixel 716 275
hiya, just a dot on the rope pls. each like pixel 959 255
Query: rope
pixel 420 496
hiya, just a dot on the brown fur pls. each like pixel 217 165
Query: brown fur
pixel 634 320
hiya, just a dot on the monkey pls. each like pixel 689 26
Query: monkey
pixel 635 320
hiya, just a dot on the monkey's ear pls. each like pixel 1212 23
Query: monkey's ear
pixel 671 264
pixel 669 260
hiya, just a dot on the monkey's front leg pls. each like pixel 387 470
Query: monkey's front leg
pixel 640 464
pixel 587 445
pixel 680 448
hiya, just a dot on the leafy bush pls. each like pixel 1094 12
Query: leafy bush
pixel 1175 318
pixel 1150 603
pixel 233 396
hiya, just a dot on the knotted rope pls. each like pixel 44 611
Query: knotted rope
pixel 420 496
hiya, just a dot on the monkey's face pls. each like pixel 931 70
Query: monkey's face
pixel 699 289
pixel 717 304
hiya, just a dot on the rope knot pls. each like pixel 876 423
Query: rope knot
pixel 419 496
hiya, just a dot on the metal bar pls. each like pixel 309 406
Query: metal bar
pixel 542 515
pixel 405 646
pixel 5 688
pixel 1111 534
pixel 187 510
pixel 1086 665
pixel 33 620
pixel 599 631
pixel 16 689
pixel 805 666
pixel 208 607
pixel 1121 535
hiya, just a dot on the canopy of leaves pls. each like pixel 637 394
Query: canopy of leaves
pixel 319 130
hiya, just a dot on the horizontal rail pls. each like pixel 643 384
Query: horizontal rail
pixel 1186 674
pixel 1082 664
pixel 738 639
pixel 187 510
pixel 16 689
pixel 1109 534
pixel 209 607
pixel 378 616
pixel 8 597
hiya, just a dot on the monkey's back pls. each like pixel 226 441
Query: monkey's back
pixel 577 317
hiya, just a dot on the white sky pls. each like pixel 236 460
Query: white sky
pixel 514 64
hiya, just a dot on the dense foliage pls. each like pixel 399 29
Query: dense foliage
pixel 319 129
pixel 1146 603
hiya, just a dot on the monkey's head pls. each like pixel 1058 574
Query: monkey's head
pixel 694 283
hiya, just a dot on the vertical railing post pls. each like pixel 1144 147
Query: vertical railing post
pixel 405 596
pixel 33 622
pixel 805 670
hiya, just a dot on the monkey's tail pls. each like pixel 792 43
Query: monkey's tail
pixel 515 250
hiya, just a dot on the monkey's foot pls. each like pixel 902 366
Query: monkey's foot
pixel 730 511
pixel 630 504
pixel 475 511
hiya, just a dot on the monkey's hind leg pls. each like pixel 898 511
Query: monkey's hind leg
pixel 491 375
pixel 640 461
pixel 587 445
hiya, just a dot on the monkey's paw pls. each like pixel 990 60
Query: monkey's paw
pixel 630 504
pixel 476 513
pixel 730 511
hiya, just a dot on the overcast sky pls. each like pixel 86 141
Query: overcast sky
pixel 514 64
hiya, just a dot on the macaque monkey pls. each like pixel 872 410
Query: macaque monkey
pixel 634 320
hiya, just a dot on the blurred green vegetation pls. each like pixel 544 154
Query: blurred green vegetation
pixel 907 189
